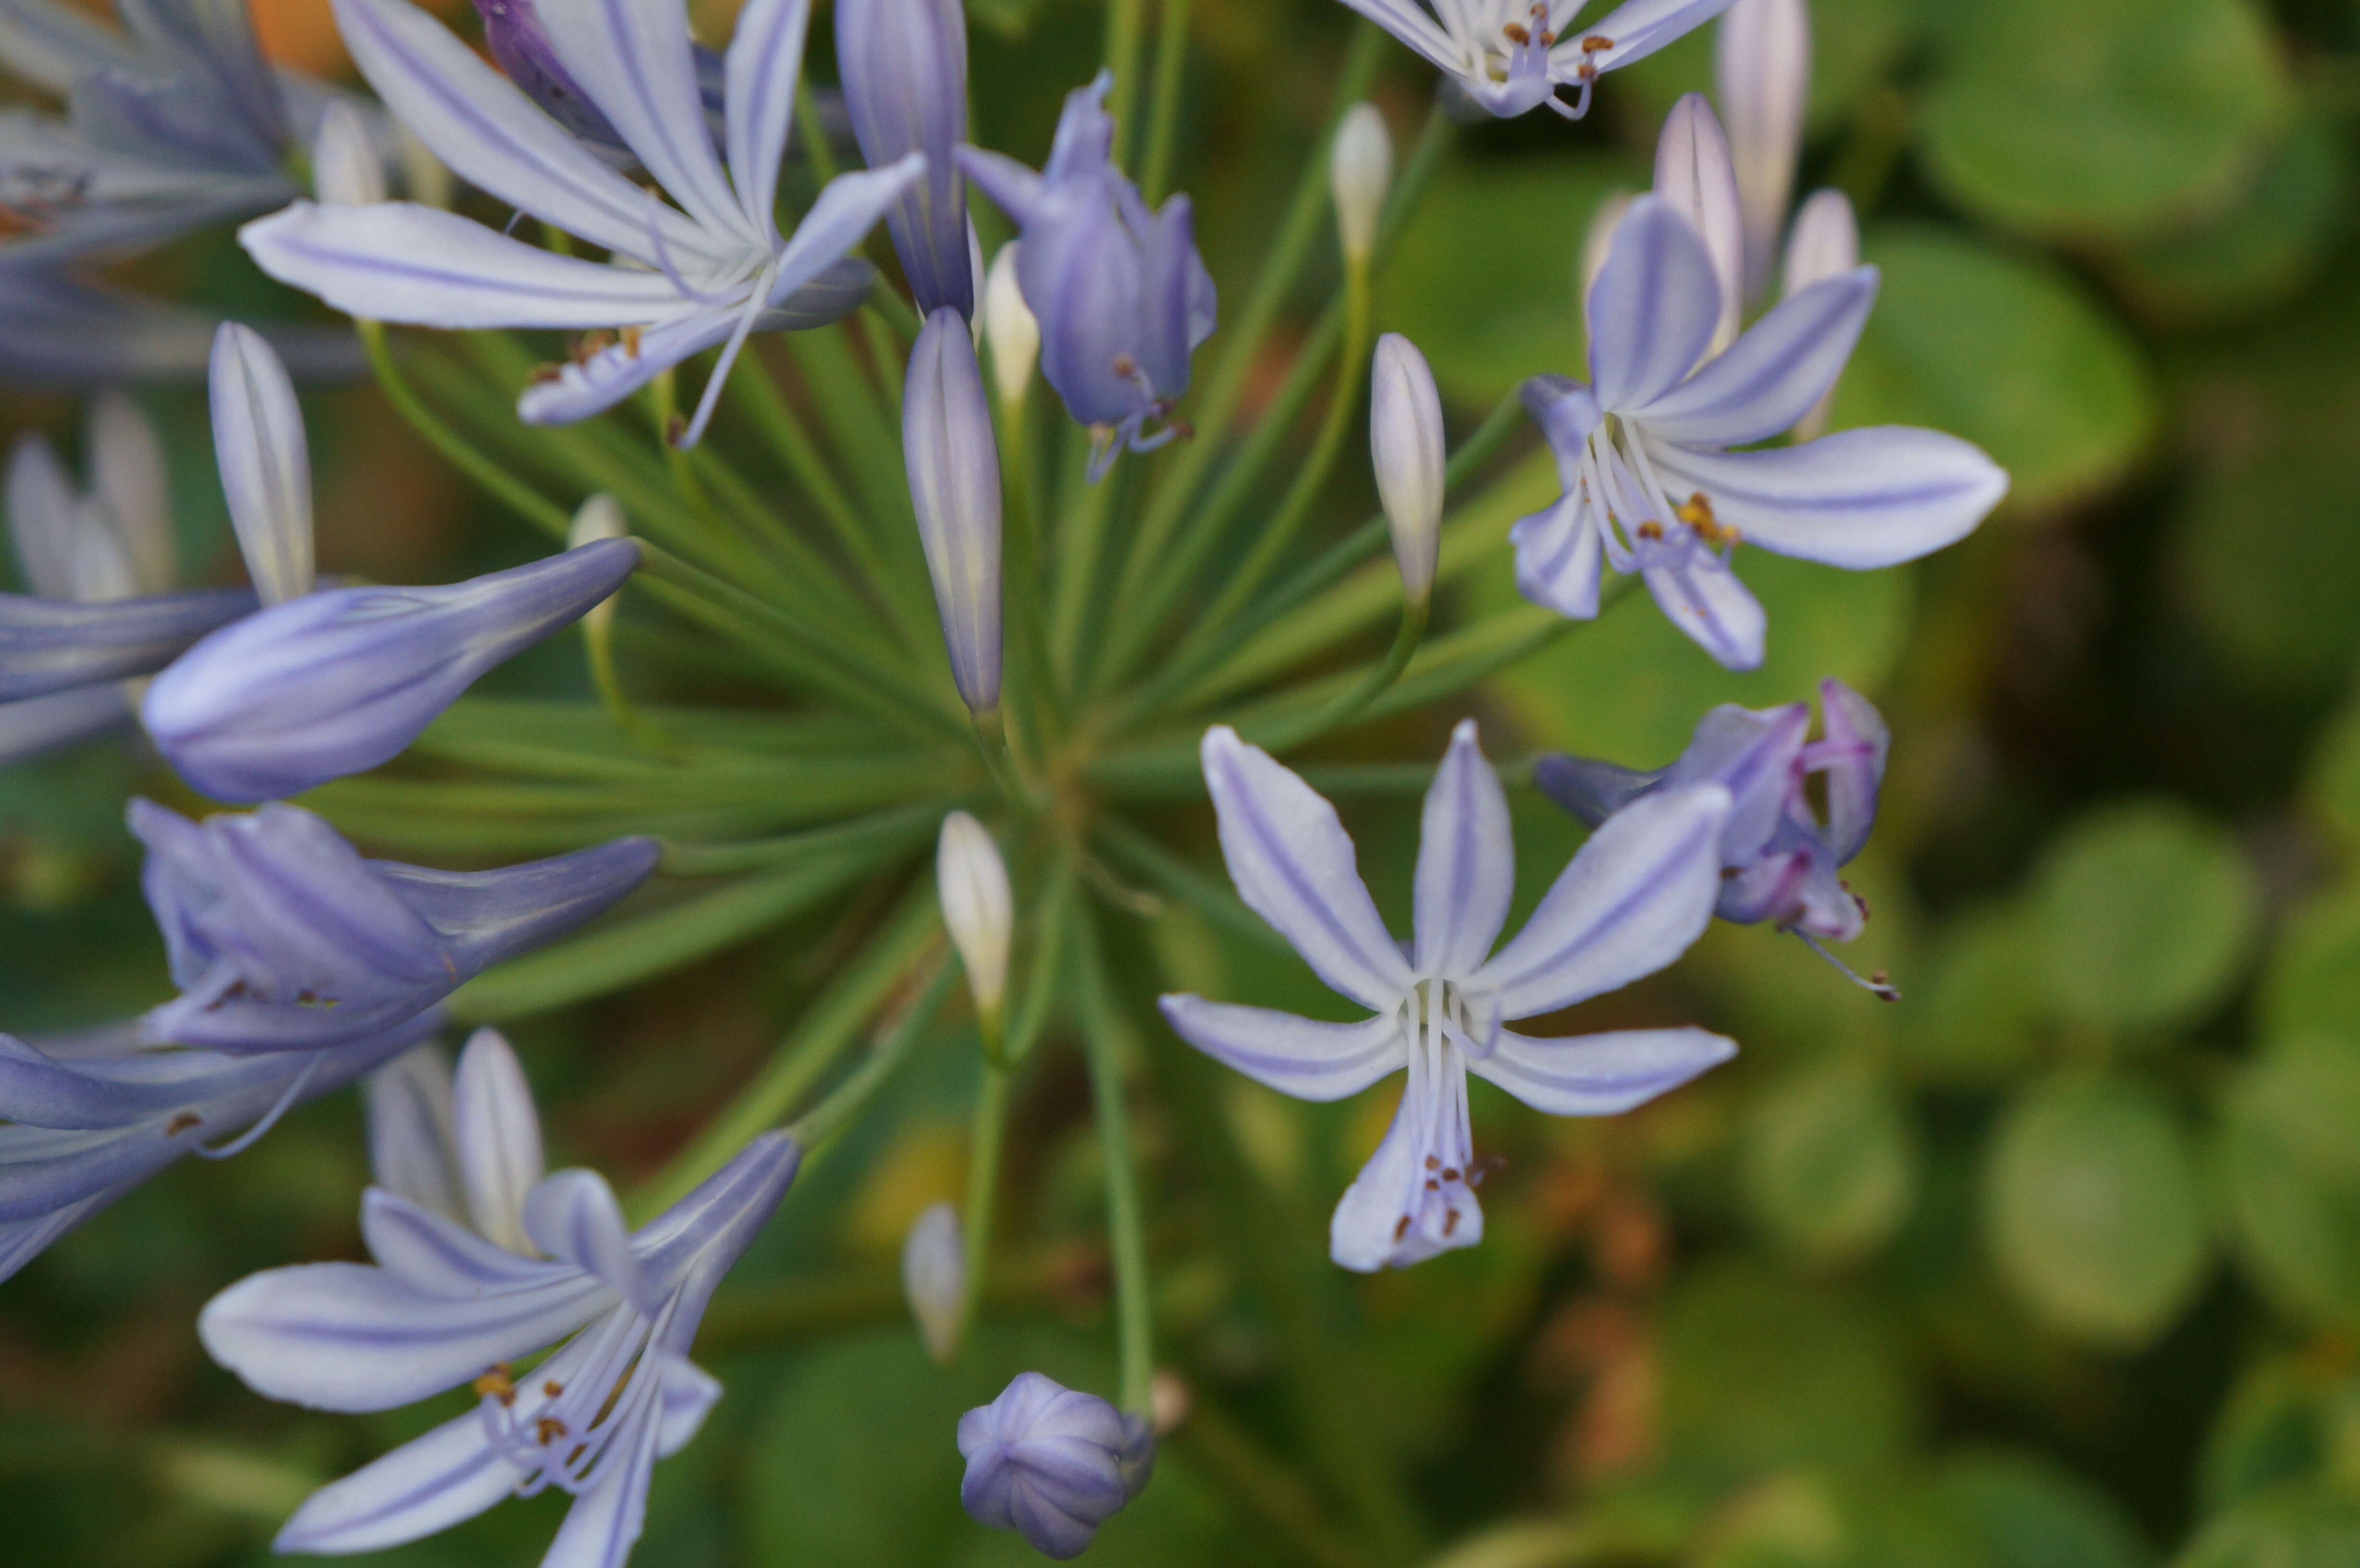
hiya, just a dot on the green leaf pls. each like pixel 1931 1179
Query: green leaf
pixel 2272 1429
pixel 2092 1210
pixel 2295 1529
pixel 2146 913
pixel 2104 116
pixel 2031 1513
pixel 2007 351
pixel 1978 1020
pixel 1831 1162
pixel 2291 1160
pixel 2313 979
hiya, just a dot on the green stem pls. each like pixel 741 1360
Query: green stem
pixel 1025 600
pixel 1356 701
pixel 535 507
pixel 813 133
pixel 820 1125
pixel 828 1029
pixel 1105 1041
pixel 1162 131
pixel 982 1188
pixel 1126 32
pixel 1079 544
pixel 887 830
pixel 1208 896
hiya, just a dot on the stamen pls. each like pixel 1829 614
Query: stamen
pixel 182 1123
pixel 1402 1229
pixel 247 1139
pixel 1449 1221
pixel 548 1429
pixel 1877 985
pixel 496 1384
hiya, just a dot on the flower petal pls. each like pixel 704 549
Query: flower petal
pixel 127 470
pixel 689 1393
pixel 1859 498
pixel 850 206
pixel 1639 28
pixel 413 1138
pixel 402 262
pixel 1773 376
pixel 1752 753
pixel 1694 173
pixel 1294 865
pixel 438 1256
pixel 606 1521
pixel 1629 903
pixel 497 1136
pixel 1466 861
pixel 572 1217
pixel 1383 1221
pixel 44 512
pixel 265 460
pixel 427 1484
pixel 1298 1056
pixel 1860 741
pixel 38 725
pixel 764 63
pixel 632 57
pixel 1600 1075
pixel 1559 557
pixel 1705 600
pixel 1654 308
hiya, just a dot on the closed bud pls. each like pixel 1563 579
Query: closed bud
pixel 952 460
pixel 336 682
pixel 1359 172
pixel 976 906
pixel 1051 1463
pixel 266 465
pixel 1405 445
pixel 1694 174
pixel 600 517
pixel 127 470
pixel 1762 73
pixel 1009 327
pixel 903 64
pixel 1824 243
pixel 43 513
pixel 345 169
pixel 934 1277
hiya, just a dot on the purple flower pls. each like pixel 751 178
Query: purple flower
pixel 1052 1464
pixel 481 1261
pixel 1778 855
pixel 63 331
pixel 1510 56
pixel 1630 902
pixel 91 1116
pixel 707 271
pixel 903 63
pixel 1651 485
pixel 55 644
pixel 1122 296
pixel 953 462
pixel 282 938
pixel 338 682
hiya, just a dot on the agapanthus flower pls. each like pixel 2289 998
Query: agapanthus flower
pixel 1779 854
pixel 518 43
pixel 682 279
pixel 1120 295
pixel 1051 1463
pixel 1638 893
pixel 463 1291
pixel 1512 56
pixel 1644 450
pixel 282 938
pixel 86 1118
pixel 951 457
pixel 903 63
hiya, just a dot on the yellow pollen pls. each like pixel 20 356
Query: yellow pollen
pixel 1696 513
pixel 496 1383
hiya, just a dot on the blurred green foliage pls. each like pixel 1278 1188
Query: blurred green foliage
pixel 2053 1264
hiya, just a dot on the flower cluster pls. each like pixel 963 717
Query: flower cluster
pixel 1103 647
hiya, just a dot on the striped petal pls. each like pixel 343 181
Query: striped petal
pixel 1600 1075
pixel 1298 1056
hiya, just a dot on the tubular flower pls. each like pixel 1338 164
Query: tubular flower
pixel 1778 856
pixel 1052 1464
pixel 85 1119
pixel 710 270
pixel 461 1291
pixel 282 938
pixel 1121 296
pixel 1510 56
pixel 1643 450
pixel 1629 903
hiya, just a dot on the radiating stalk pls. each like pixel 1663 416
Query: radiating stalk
pixel 1175 877
pixel 533 506
pixel 1104 1041
pixel 820 1125
pixel 904 825
pixel 984 1147
pixel 1164 128
pixel 1360 697
pixel 1126 32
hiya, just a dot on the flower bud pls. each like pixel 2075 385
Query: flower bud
pixel 1052 1464
pixel 934 1277
pixel 1598 240
pixel 1009 327
pixel 1693 172
pixel 345 169
pixel 44 513
pixel 127 470
pixel 953 460
pixel 1359 172
pixel 600 517
pixel 976 906
pixel 1824 243
pixel 266 467
pixel 903 64
pixel 339 681
pixel 1405 445
pixel 1762 73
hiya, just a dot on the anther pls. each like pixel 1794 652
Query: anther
pixel 553 1389
pixel 496 1383
pixel 547 1429
pixel 1431 1162
pixel 1593 43
pixel 631 341
pixel 1696 513
pixel 1402 1229
pixel 182 1123
pixel 1651 529
pixel 1449 1221
pixel 1517 34
pixel 1432 1186
pixel 1450 1175
pixel 1125 367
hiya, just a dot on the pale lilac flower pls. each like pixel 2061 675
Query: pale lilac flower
pixel 282 938
pixel 903 64
pixel 1051 1463
pixel 682 279
pixel 1643 451
pixel 1762 71
pixel 520 44
pixel 56 645
pixel 1630 902
pixel 1779 856
pixel 1121 296
pixel 86 1118
pixel 1695 174
pixel 1824 243
pixel 461 1291
pixel 1510 56
pixel 951 457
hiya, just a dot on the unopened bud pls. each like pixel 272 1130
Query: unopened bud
pixel 345 169
pixel 951 456
pixel 934 1277
pixel 265 463
pixel 126 469
pixel 1009 328
pixel 1361 171
pixel 600 517
pixel 1762 77
pixel 1824 243
pixel 424 176
pixel 977 907
pixel 1406 446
